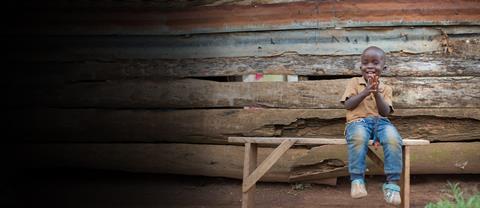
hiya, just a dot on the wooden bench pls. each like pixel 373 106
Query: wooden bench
pixel 252 173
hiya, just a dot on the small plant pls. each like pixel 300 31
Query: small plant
pixel 458 201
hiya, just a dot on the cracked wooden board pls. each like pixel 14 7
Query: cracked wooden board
pixel 227 160
pixel 444 158
pixel 215 125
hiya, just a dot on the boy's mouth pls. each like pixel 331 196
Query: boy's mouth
pixel 370 74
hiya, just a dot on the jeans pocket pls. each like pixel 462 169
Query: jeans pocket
pixel 346 128
pixel 350 124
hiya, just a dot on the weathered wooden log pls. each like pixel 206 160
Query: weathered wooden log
pixel 226 160
pixel 215 125
pixel 398 65
pixel 423 92
pixel 466 47
pixel 435 158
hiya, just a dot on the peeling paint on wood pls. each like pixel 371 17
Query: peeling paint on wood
pixel 273 43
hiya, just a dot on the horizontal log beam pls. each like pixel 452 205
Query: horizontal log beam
pixel 319 163
pixel 215 126
pixel 423 65
pixel 227 160
pixel 115 18
pixel 423 92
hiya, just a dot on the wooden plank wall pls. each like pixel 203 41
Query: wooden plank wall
pixel 155 83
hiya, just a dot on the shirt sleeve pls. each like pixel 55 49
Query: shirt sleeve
pixel 388 96
pixel 349 91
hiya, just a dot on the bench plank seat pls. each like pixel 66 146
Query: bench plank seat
pixel 252 173
pixel 311 141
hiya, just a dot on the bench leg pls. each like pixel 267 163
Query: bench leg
pixel 405 178
pixel 249 165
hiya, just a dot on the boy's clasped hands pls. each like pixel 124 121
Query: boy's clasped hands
pixel 372 83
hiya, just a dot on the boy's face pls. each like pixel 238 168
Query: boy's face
pixel 373 63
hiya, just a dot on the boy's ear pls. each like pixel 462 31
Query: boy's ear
pixel 385 68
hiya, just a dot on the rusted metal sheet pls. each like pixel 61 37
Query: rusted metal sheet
pixel 314 42
pixel 143 20
pixel 323 14
pixel 158 4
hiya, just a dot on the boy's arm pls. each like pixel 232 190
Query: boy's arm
pixel 382 106
pixel 353 101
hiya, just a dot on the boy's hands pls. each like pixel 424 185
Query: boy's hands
pixel 372 84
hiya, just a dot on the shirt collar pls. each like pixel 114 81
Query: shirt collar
pixel 362 81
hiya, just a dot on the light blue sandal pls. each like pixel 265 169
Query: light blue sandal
pixel 358 189
pixel 391 193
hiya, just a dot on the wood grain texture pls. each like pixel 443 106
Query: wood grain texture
pixel 266 164
pixel 405 178
pixel 311 141
pixel 216 125
pixel 408 92
pixel 399 64
pixel 227 160
pixel 249 165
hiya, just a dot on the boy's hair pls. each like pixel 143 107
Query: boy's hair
pixel 382 53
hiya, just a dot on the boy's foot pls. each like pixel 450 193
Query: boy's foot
pixel 358 189
pixel 391 193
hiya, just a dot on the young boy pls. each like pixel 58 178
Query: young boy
pixel 368 103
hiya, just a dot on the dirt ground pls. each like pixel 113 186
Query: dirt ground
pixel 91 188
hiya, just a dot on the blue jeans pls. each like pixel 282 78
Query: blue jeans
pixel 380 129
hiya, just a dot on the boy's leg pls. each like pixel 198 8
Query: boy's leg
pixel 392 148
pixel 357 135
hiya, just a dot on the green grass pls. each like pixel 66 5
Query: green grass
pixel 457 200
